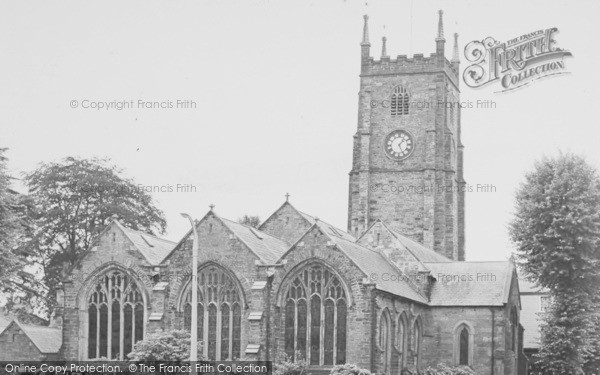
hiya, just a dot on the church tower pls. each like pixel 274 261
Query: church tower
pixel 407 167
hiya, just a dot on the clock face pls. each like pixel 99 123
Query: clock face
pixel 398 145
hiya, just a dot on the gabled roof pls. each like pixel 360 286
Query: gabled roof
pixel 268 248
pixel 419 251
pixel 153 248
pixel 306 217
pixel 470 283
pixel 328 228
pixel 311 220
pixel 378 270
pixel 48 340
pixel 4 322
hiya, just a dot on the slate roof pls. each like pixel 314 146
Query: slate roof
pixel 474 289
pixel 371 262
pixel 3 322
pixel 153 248
pixel 420 252
pixel 268 248
pixel 48 340
pixel 328 228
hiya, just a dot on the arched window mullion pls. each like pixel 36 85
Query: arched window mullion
pixel 230 333
pixel 110 299
pixel 109 333
pixel 216 289
pixel 315 290
pixel 98 330
pixel 335 323
pixel 122 331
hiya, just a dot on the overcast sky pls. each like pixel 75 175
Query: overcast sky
pixel 275 85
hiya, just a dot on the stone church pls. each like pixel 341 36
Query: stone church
pixel 390 292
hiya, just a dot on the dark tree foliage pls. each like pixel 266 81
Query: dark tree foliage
pixel 557 233
pixel 12 229
pixel 252 221
pixel 74 200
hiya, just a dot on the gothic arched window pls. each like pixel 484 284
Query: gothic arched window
pixel 399 103
pixel 315 315
pixel 514 326
pixel 463 347
pixel 115 317
pixel 219 314
pixel 416 341
pixel 463 344
pixel 400 341
pixel 385 339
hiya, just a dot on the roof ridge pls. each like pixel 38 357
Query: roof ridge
pixel 252 228
pixel 358 244
pixel 227 223
pixel 396 236
pixel 147 234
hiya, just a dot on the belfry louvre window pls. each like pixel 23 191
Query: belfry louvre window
pixel 219 314
pixel 399 103
pixel 115 317
pixel 315 317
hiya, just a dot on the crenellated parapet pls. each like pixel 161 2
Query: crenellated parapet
pixel 418 63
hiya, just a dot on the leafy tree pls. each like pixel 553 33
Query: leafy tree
pixel 74 200
pixel 12 229
pixel 557 233
pixel 252 221
pixel 164 347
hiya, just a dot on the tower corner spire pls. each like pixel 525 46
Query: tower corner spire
pixel 384 54
pixel 440 42
pixel 365 38
pixel 365 45
pixel 455 58
pixel 440 34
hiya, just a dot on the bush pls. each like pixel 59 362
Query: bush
pixel 442 369
pixel 165 347
pixel 349 369
pixel 289 367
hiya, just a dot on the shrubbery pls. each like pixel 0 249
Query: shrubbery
pixel 165 347
pixel 349 369
pixel 443 369
pixel 289 367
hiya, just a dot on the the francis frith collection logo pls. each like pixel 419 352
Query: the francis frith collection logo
pixel 514 63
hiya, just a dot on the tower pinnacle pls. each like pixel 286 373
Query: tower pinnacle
pixel 440 42
pixel 365 45
pixel 384 48
pixel 365 40
pixel 440 36
pixel 455 58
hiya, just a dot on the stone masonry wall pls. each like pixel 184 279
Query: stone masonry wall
pixel 114 251
pixel 314 248
pixel 16 346
pixel 420 195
